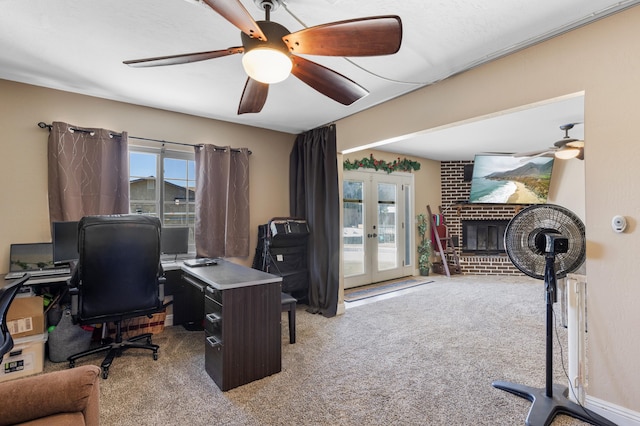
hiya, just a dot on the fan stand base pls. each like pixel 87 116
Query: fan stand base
pixel 544 408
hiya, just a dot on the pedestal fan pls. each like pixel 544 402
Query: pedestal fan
pixel 546 242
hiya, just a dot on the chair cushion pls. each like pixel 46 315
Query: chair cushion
pixel 67 391
pixel 287 298
pixel 63 419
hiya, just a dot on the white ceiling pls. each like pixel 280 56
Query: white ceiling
pixel 79 46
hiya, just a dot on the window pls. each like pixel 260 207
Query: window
pixel 174 200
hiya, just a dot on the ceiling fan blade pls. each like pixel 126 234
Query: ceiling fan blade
pixel 326 81
pixel 183 58
pixel 234 12
pixel 378 35
pixel 539 153
pixel 254 96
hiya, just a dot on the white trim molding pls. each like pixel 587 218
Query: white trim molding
pixel 619 415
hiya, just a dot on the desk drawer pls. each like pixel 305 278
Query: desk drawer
pixel 213 359
pixel 212 316
pixel 214 294
pixel 213 324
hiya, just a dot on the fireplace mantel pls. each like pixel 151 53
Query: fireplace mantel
pixel 459 207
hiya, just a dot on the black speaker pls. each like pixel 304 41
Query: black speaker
pixel 468 172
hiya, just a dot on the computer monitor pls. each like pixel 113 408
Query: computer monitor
pixel 64 237
pixel 30 257
pixel 174 240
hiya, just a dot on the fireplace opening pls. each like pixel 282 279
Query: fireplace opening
pixel 483 237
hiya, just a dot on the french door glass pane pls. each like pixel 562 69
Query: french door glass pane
pixel 407 229
pixel 353 228
pixel 387 227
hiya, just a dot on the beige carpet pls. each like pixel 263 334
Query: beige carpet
pixel 427 357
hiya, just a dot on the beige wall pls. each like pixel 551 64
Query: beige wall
pixel 602 60
pixel 24 212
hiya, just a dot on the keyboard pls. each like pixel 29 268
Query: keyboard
pixel 39 273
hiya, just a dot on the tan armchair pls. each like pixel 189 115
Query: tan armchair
pixel 67 397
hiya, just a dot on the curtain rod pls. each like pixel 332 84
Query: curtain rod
pixel 44 125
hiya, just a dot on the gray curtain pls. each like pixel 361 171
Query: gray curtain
pixel 314 196
pixel 222 202
pixel 88 172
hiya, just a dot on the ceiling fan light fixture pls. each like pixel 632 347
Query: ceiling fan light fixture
pixel 567 153
pixel 267 61
pixel 267 65
pixel 576 144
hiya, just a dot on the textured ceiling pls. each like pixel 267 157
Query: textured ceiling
pixel 79 46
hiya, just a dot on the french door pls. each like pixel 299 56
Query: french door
pixel 377 237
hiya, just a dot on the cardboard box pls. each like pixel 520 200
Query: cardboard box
pixel 26 358
pixel 26 317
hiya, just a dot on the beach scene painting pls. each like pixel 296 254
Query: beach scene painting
pixel 504 179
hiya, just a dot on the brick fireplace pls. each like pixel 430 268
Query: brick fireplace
pixel 490 221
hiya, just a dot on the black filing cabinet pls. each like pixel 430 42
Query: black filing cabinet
pixel 242 332
pixel 213 334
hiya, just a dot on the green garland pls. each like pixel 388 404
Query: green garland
pixel 398 165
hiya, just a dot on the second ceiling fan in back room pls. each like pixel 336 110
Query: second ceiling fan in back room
pixel 564 149
pixel 271 51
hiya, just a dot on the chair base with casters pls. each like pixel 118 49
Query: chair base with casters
pixel 116 348
pixel 289 305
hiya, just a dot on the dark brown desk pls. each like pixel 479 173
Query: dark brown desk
pixel 242 322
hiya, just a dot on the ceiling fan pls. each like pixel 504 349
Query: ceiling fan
pixel 271 51
pixel 564 149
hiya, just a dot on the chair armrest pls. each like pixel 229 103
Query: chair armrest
pixel 74 292
pixel 72 288
pixel 66 391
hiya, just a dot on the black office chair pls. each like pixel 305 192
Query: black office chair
pixel 7 294
pixel 118 276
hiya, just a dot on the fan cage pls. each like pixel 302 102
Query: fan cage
pixel 519 235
